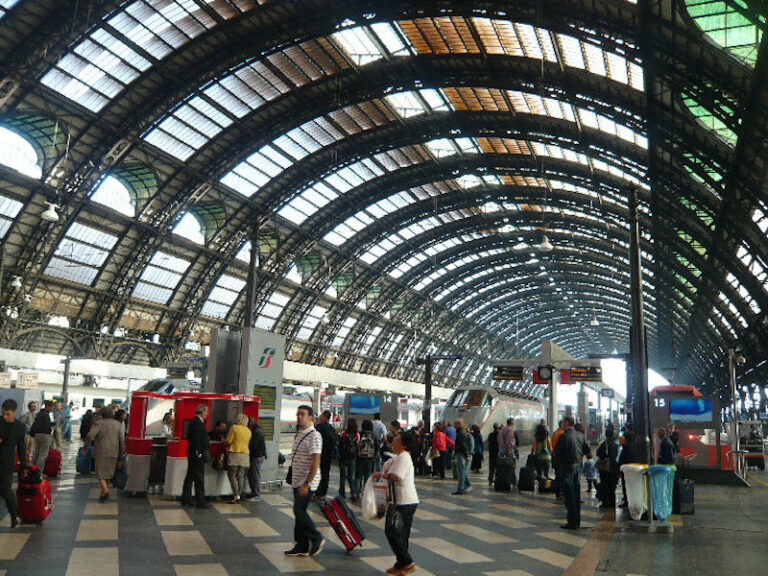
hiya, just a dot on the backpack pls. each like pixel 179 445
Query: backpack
pixel 367 447
pixel 348 447
pixel 467 443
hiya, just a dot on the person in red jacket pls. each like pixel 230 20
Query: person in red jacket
pixel 439 451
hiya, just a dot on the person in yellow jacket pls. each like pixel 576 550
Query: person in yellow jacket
pixel 238 455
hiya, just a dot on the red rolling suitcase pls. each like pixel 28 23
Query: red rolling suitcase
pixel 52 463
pixel 343 522
pixel 34 497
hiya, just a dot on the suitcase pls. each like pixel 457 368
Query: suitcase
pixel 505 474
pixel 682 497
pixel 531 461
pixel 34 499
pixel 52 463
pixel 527 480
pixel 84 462
pixel 343 522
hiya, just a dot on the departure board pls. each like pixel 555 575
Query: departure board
pixel 507 372
pixel 586 374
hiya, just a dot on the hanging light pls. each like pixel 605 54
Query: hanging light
pixel 50 215
pixel 325 320
pixel 16 282
pixel 546 245
pixel 594 321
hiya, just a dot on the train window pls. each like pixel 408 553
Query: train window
pixel 458 398
pixel 475 398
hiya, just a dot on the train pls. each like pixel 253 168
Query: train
pixel 486 406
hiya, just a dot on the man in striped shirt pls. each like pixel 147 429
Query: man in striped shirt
pixel 306 451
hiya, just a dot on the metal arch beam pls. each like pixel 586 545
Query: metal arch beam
pixel 442 126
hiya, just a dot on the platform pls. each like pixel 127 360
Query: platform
pixel 480 534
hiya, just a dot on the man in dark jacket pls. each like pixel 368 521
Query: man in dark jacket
pixel 608 452
pixel 666 448
pixel 463 451
pixel 12 441
pixel 328 435
pixel 258 453
pixel 41 431
pixel 569 452
pixel 197 455
pixel 493 453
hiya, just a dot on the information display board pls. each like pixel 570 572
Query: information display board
pixel 586 374
pixel 507 372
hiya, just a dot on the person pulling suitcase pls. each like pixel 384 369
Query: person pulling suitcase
pixel 12 441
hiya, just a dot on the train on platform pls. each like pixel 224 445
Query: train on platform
pixel 486 405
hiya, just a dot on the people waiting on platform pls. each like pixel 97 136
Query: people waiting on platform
pixel 348 445
pixel 477 449
pixel 108 442
pixel 12 442
pixel 28 418
pixel 238 455
pixel 379 432
pixel 608 468
pixel 439 451
pixel 42 431
pixel 329 437
pixel 304 479
pixel 493 453
pixel 666 454
pixel 257 448
pixel 219 431
pixel 462 453
pixel 398 471
pixel 569 453
pixel 198 455
pixel 366 454
pixel 542 448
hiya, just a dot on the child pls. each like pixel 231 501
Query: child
pixel 590 473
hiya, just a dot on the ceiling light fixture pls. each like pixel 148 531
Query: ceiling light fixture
pixel 594 321
pixel 546 245
pixel 325 320
pixel 50 215
pixel 16 282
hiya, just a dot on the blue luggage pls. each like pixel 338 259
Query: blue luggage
pixel 84 462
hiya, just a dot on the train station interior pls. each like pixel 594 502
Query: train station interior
pixel 433 211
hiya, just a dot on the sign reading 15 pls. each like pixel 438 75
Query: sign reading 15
pixel 660 402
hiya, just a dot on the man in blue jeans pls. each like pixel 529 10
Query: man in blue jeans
pixel 306 451
pixel 569 452
pixel 462 455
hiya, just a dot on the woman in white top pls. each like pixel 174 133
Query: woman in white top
pixel 399 471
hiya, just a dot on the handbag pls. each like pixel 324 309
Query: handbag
pixel 394 516
pixel 603 465
pixel 434 454
pixel 220 462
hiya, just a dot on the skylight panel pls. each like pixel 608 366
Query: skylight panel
pixel 113 194
pixel 406 104
pixel 80 255
pixel 436 100
pixel 395 43
pixel 468 181
pixel 17 153
pixel 311 320
pixel 343 331
pixel 190 228
pixel 370 339
pixel 223 296
pixel 160 278
pixel 9 209
pixel 442 147
pixel 6 5
pixel 359 45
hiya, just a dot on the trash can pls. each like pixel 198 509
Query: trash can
pixel 662 479
pixel 634 476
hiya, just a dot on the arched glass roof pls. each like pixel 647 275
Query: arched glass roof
pixel 394 170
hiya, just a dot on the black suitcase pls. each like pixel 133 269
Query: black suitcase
pixel 531 461
pixel 682 497
pixel 505 474
pixel 527 480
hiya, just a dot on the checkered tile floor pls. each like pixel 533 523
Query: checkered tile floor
pixel 482 533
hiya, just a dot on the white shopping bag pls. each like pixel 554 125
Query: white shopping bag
pixel 374 498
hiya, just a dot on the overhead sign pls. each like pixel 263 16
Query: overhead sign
pixel 586 374
pixel 447 357
pixel 26 380
pixel 507 372
pixel 607 393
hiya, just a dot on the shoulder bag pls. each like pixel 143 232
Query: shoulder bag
pixel 394 518
pixel 289 476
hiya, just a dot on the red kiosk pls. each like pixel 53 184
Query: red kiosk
pixel 153 459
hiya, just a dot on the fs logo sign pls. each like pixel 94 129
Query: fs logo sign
pixel 266 357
